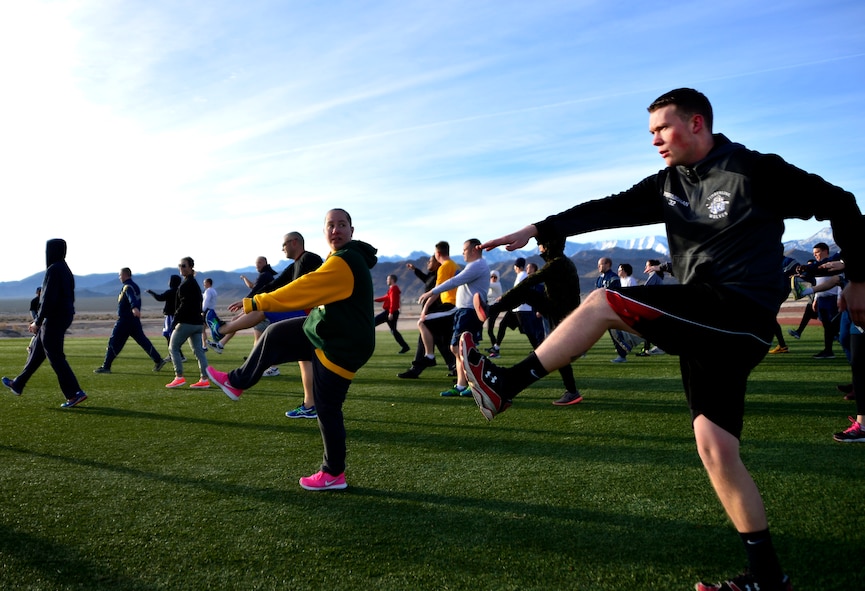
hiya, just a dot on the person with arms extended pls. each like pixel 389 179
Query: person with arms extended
pixel 303 262
pixel 724 208
pixel 169 296
pixel 128 325
pixel 473 281
pixel 338 337
pixel 560 296
pixel 53 317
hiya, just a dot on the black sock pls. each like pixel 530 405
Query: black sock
pixel 762 560
pixel 523 374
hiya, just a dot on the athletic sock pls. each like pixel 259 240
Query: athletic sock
pixel 523 374
pixel 762 560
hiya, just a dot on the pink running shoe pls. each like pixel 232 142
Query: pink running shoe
pixel 200 384
pixel 176 382
pixel 323 481
pixel 221 379
pixel 745 582
pixel 854 433
pixel 484 378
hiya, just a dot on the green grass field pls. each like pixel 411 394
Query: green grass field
pixel 144 488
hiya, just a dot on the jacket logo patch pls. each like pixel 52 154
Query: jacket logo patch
pixel 717 204
pixel 672 200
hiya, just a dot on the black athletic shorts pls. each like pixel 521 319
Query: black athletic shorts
pixel 718 334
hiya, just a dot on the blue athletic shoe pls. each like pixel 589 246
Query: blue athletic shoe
pixel 11 385
pixel 75 400
pixel 214 324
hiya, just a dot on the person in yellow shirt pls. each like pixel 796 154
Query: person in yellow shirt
pixel 437 319
pixel 338 337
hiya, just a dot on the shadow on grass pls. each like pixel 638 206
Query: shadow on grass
pixel 126 413
pixel 56 566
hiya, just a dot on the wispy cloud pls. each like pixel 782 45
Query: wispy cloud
pixel 212 129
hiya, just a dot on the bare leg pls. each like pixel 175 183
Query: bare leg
pixel 579 331
pixel 243 321
pixel 719 451
pixel 427 338
pixel 306 379
pixel 462 380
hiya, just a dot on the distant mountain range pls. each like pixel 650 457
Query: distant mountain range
pixel 584 255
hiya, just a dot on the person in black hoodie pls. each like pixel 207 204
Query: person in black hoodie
pixel 169 296
pixel 53 318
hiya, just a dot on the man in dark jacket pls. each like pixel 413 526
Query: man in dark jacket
pixel 724 208
pixel 53 317
pixel 560 296
pixel 128 325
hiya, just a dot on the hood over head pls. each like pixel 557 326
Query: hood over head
pixel 174 281
pixel 55 251
pixel 553 247
pixel 367 251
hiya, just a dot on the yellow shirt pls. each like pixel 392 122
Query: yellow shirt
pixel 445 272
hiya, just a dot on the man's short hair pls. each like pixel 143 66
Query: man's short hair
pixel 821 246
pixel 443 247
pixel 520 262
pixel 295 236
pixel 474 243
pixel 627 268
pixel 126 271
pixel 688 102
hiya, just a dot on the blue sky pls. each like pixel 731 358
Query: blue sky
pixel 142 132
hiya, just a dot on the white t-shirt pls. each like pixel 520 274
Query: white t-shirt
pixel 209 301
pixel 522 307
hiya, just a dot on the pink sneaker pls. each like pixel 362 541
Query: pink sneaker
pixel 200 384
pixel 323 481
pixel 176 382
pixel 221 379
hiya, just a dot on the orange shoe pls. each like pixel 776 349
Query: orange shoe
pixel 176 382
pixel 200 384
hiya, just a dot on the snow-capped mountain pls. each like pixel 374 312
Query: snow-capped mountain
pixel 824 235
pixel 656 243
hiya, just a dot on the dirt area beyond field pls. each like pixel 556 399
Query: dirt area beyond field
pixel 98 323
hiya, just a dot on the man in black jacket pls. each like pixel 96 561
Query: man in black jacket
pixel 724 208
pixel 53 317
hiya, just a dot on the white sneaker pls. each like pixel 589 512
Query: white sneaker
pixel 656 351
pixel 271 372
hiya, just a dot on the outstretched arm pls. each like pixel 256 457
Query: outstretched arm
pixel 512 241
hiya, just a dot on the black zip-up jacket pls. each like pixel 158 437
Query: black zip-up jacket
pixel 169 296
pixel 264 278
pixel 189 298
pixel 725 218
